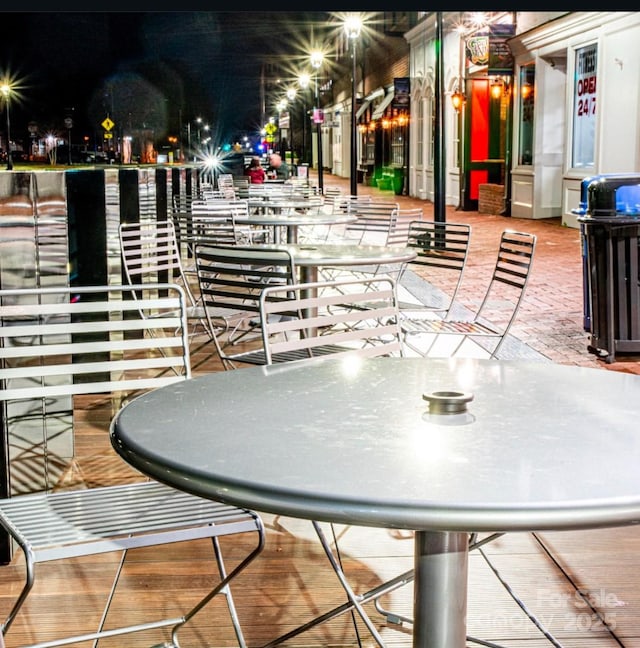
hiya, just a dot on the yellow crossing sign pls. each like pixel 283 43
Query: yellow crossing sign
pixel 107 124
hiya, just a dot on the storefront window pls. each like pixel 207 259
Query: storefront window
pixel 398 131
pixel 419 122
pixel 584 106
pixel 527 102
pixel 456 140
pixel 370 156
pixel 432 139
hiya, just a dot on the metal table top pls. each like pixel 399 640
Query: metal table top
pixel 541 446
pixel 296 218
pixel 338 254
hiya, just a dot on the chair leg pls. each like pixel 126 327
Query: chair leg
pixel 353 598
pixel 354 601
pixel 30 568
pixel 222 587
pixel 226 590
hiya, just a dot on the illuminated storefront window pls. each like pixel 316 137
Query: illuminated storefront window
pixel 527 102
pixel 584 107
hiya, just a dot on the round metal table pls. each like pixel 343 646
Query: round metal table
pixel 308 258
pixel 539 447
pixel 292 220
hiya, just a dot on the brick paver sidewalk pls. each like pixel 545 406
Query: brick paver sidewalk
pixel 551 318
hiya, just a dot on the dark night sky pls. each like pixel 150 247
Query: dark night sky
pixel 145 66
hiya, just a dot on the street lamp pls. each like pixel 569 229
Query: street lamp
pixel 5 88
pixel 352 27
pixel 316 61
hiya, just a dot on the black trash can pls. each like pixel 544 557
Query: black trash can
pixel 611 252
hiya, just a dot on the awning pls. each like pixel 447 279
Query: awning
pixel 361 110
pixel 382 106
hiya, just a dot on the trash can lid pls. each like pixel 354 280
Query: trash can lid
pixel 613 194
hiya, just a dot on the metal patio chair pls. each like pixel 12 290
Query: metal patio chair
pixel 226 186
pixel 497 311
pixel 231 279
pixel 150 254
pixel 60 342
pixel 372 225
pixel 232 209
pixel 310 320
pixel 442 250
pixel 399 231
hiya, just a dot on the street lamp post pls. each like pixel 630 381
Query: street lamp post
pixel 303 81
pixel 281 106
pixel 316 62
pixel 352 27
pixel 291 96
pixel 6 91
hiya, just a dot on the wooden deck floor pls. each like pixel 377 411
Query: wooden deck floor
pixel 292 582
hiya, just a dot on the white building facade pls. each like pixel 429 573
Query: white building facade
pixel 568 109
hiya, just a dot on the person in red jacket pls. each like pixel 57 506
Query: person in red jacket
pixel 255 171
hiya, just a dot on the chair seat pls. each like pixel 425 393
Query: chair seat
pixel 64 523
pixel 443 326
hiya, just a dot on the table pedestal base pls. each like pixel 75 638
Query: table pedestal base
pixel 440 593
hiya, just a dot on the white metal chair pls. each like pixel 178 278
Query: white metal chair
pixel 334 201
pixel 399 231
pixel 231 279
pixel 226 186
pixel 232 209
pixel 204 225
pixel 309 320
pixel 372 225
pixel 60 342
pixel 497 311
pixel 150 253
pixel 349 202
pixel 374 220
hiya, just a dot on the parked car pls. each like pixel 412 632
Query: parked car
pixel 79 155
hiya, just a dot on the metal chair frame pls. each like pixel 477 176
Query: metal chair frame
pixel 372 226
pixel 231 279
pixel 150 254
pixel 59 342
pixel 309 320
pixel 401 225
pixel 499 307
pixel 442 251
